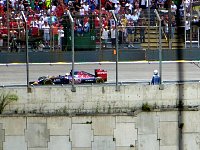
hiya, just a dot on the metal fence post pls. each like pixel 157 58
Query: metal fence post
pixel 117 49
pixel 160 49
pixel 72 35
pixel 27 53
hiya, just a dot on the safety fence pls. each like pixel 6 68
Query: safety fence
pixel 90 34
pixel 134 37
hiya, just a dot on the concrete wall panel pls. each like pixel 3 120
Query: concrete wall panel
pixel 125 134
pixel 37 134
pixel 191 141
pixel 191 121
pixel 147 123
pixel 148 142
pixel 14 143
pixel 81 135
pixel 103 143
pixel 59 143
pixel 11 128
pixel 99 123
pixel 168 133
pixel 59 125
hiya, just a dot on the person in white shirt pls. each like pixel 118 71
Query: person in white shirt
pixel 82 11
pixel 60 36
pixel 104 36
pixel 135 17
pixel 117 8
pixel 86 7
pixel 113 36
pixel 173 7
pixel 46 30
pixel 128 16
pixel 187 28
pixel 40 23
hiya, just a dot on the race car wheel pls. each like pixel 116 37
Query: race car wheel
pixel 42 78
pixel 48 82
pixel 100 81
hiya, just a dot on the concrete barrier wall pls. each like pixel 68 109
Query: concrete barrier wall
pixel 104 55
pixel 101 98
pixel 100 118
pixel 145 131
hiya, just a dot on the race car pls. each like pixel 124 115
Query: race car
pixel 100 76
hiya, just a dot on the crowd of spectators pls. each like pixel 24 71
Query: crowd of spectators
pixel 45 18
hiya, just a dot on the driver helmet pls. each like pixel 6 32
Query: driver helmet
pixel 155 72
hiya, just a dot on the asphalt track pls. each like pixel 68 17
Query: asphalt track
pixel 16 74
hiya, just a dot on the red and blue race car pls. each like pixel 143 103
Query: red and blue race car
pixel 100 76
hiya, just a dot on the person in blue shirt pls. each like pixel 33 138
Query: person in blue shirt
pixel 156 78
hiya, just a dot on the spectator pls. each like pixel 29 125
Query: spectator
pixel 86 7
pixel 173 8
pixel 104 36
pixel 109 5
pixel 60 36
pixel 187 29
pixel 13 44
pixel 161 4
pixel 143 4
pixel 123 21
pixel 77 6
pixel 79 30
pixel 173 26
pixel 117 7
pixel 113 36
pixel 135 18
pixel 128 15
pixel 130 32
pixel 40 46
pixel 86 25
pixel 92 6
pixel 46 32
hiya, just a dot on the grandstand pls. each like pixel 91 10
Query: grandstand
pixel 49 27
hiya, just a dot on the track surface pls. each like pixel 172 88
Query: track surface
pixel 15 74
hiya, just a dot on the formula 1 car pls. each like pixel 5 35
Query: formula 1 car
pixel 100 76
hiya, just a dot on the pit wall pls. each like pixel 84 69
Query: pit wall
pixel 101 118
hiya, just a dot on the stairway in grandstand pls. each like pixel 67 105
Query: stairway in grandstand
pixel 152 40
pixel 152 36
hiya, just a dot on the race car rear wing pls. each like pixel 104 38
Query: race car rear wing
pixel 101 73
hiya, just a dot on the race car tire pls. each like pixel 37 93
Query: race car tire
pixel 48 82
pixel 42 78
pixel 100 81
